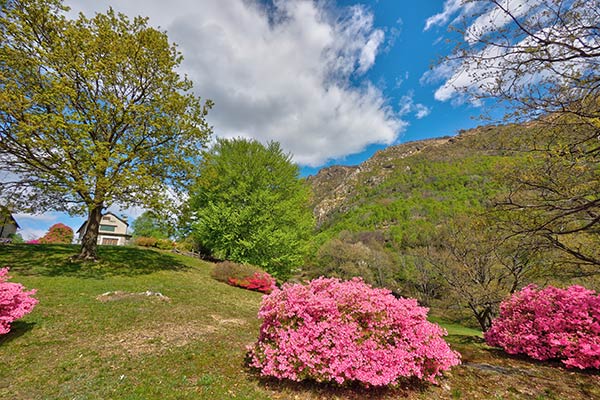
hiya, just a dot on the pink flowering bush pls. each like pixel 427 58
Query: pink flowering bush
pixel 550 323
pixel 14 301
pixel 259 281
pixel 341 331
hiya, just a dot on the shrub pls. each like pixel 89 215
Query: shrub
pixel 550 323
pixel 343 331
pixel 33 241
pixel 244 275
pixel 164 244
pixel 14 301
pixel 145 241
pixel 259 281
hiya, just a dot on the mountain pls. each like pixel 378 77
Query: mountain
pixel 405 190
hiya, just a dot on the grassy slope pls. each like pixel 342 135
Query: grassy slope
pixel 74 346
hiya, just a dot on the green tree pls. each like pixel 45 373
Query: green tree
pixel 149 224
pixel 92 113
pixel 251 207
pixel 540 60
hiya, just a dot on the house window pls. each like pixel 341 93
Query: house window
pixel 110 241
pixel 107 228
pixel 107 218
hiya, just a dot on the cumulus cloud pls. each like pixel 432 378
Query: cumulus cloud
pixel 280 73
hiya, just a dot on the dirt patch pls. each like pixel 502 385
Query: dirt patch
pixel 120 295
pixel 155 339
pixel 228 321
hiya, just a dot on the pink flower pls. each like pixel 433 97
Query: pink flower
pixel 331 330
pixel 550 323
pixel 14 301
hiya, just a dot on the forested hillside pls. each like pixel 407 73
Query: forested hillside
pixel 426 219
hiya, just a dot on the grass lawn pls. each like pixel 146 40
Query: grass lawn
pixel 77 345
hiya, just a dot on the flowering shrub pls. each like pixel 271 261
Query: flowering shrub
pixel 14 302
pixel 550 323
pixel 57 234
pixel 33 241
pixel 259 281
pixel 333 330
pixel 244 275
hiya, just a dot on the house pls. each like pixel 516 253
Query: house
pixel 8 224
pixel 113 230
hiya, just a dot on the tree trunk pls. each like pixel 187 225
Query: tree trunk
pixel 89 243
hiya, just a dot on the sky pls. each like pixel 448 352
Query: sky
pixel 332 81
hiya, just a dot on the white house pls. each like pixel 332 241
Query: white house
pixel 113 231
pixel 8 225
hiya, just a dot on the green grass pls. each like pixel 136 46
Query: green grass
pixel 73 346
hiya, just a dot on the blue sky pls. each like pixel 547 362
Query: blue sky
pixel 332 81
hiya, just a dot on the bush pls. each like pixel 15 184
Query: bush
pixel 343 331
pixel 33 241
pixel 259 281
pixel 244 275
pixel 164 244
pixel 550 323
pixel 145 241
pixel 14 302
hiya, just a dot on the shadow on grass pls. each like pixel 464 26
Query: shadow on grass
pixel 353 391
pixel 18 329
pixel 532 362
pixel 55 260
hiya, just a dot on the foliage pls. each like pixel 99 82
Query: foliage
pixel 33 241
pixel 478 269
pixel 550 323
pixel 15 302
pixel 250 205
pixel 93 112
pixel 58 234
pixel 348 256
pixel 331 330
pixel 540 61
pixel 150 224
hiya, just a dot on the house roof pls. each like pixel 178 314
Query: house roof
pixel 10 216
pixel 104 215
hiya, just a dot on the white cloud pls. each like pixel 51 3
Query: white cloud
pixel 461 78
pixel 451 7
pixel 408 106
pixel 280 74
pixel 36 217
pixel 421 111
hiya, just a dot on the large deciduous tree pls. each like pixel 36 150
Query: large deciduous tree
pixel 541 61
pixel 92 113
pixel 251 207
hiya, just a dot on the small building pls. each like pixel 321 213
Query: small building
pixel 113 231
pixel 8 224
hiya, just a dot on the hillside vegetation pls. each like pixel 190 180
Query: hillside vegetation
pixel 411 215
pixel 85 341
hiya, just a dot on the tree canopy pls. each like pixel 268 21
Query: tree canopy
pixel 150 224
pixel 250 205
pixel 92 113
